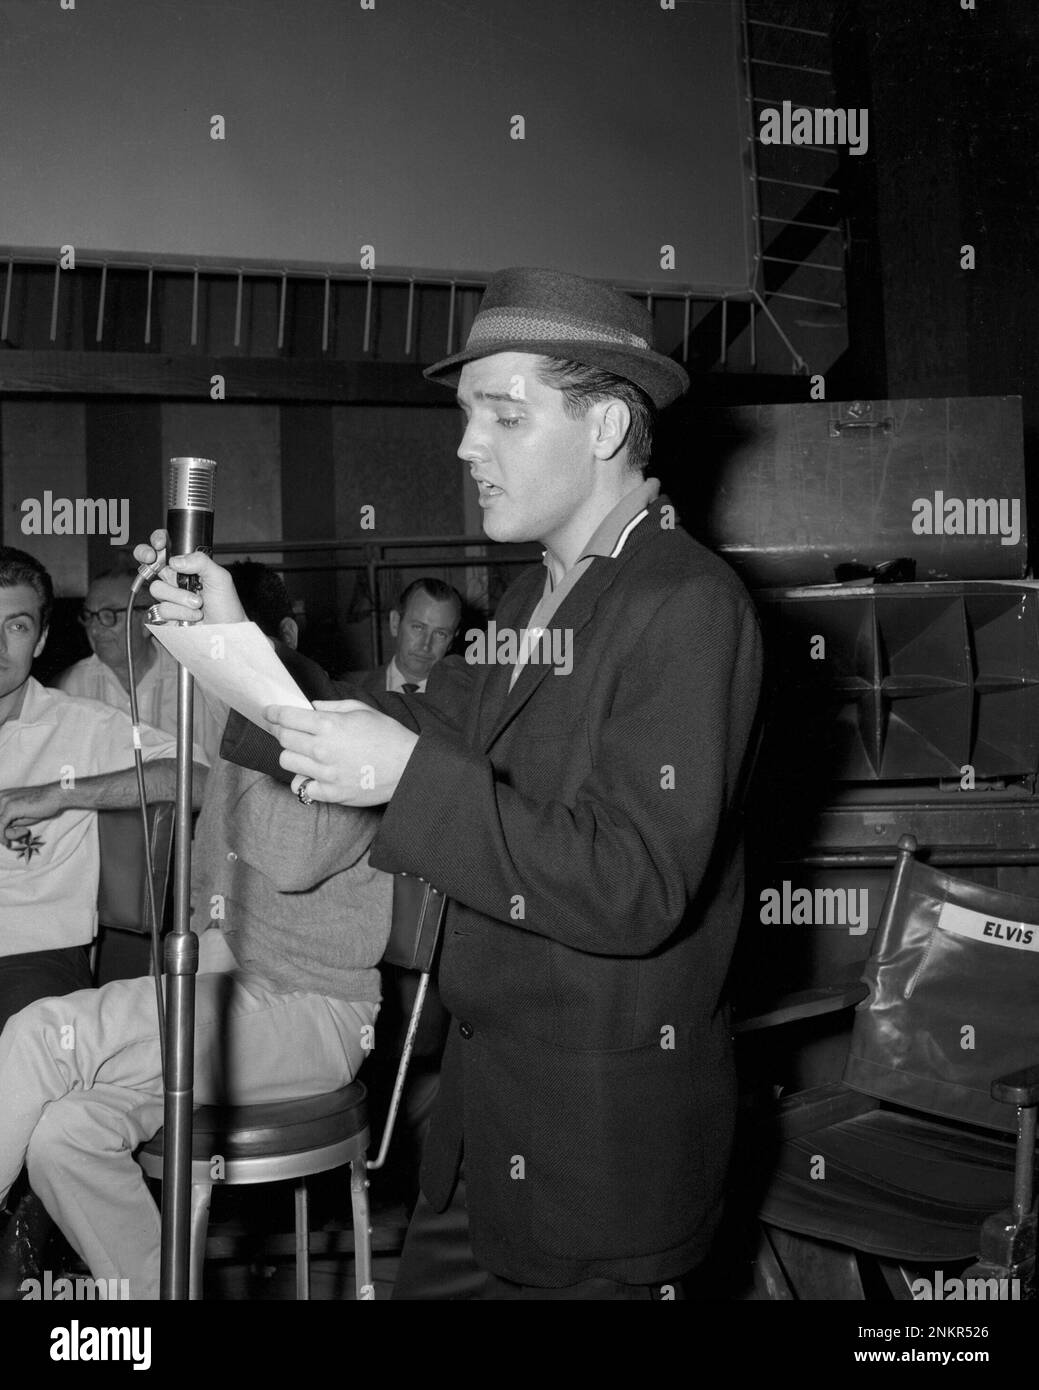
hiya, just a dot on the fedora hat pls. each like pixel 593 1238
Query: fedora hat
pixel 558 315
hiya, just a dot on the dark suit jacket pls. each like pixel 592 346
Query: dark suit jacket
pixel 372 682
pixel 241 738
pixel 585 829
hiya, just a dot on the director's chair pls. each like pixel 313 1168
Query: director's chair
pixel 910 1159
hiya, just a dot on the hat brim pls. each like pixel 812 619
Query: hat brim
pixel 662 379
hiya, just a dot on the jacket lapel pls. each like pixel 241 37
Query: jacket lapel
pixel 518 604
pixel 575 612
pixel 499 705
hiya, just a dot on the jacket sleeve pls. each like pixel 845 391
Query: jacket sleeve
pixel 442 707
pixel 612 870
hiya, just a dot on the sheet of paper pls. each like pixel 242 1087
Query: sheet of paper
pixel 235 662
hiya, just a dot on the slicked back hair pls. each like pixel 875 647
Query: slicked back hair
pixel 263 595
pixel 437 590
pixel 19 567
pixel 582 387
pixel 125 567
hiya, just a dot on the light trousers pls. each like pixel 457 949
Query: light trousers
pixel 81 1089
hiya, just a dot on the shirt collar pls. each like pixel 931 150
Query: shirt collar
pixel 610 536
pixel 398 679
pixel 37 706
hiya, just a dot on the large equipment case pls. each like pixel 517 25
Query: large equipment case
pixel 890 707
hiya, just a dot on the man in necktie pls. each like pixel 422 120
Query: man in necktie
pixel 423 623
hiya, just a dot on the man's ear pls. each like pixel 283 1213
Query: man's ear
pixel 394 622
pixel 288 632
pixel 613 419
pixel 41 643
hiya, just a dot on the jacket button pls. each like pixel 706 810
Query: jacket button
pixel 232 858
pixel 466 1030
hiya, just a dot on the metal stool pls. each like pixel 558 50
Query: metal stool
pixel 294 1138
pixel 271 1143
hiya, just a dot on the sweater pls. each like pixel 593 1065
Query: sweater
pixel 290 886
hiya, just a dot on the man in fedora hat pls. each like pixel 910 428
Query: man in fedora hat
pixel 581 814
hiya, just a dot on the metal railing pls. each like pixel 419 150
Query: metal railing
pixel 754 47
pixel 371 558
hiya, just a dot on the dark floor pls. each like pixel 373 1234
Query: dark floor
pixel 251 1254
pixel 251 1245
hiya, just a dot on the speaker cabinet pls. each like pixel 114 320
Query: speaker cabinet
pixel 903 682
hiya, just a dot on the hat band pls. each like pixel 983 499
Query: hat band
pixel 523 325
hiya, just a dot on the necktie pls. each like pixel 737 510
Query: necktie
pixel 409 688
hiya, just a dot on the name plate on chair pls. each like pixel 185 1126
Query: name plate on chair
pixel 995 931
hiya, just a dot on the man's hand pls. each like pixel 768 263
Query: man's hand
pixel 21 807
pixel 355 755
pixel 217 602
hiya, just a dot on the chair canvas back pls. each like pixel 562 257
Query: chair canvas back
pixel 954 996
pixel 122 897
pixel 418 912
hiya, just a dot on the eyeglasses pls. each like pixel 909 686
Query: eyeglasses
pixel 107 617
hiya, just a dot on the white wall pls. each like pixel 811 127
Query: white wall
pixel 245 441
pixel 387 126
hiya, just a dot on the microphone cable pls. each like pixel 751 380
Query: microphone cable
pixel 144 575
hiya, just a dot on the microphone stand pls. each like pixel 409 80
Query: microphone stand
pixel 181 961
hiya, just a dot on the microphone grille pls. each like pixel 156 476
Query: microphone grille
pixel 191 484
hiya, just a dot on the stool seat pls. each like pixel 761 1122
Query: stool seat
pixel 285 1127
pixel 289 1139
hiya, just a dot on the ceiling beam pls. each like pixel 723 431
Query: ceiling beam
pixel 191 378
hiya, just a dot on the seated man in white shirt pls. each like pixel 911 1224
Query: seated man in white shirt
pixel 292 923
pixel 104 675
pixel 62 759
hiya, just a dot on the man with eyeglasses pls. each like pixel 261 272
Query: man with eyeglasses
pixel 105 676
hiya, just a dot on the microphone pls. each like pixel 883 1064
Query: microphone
pixel 189 512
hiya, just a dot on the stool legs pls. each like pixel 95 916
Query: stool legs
pixel 200 1195
pixel 362 1229
pixel 279 1167
pixel 302 1241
